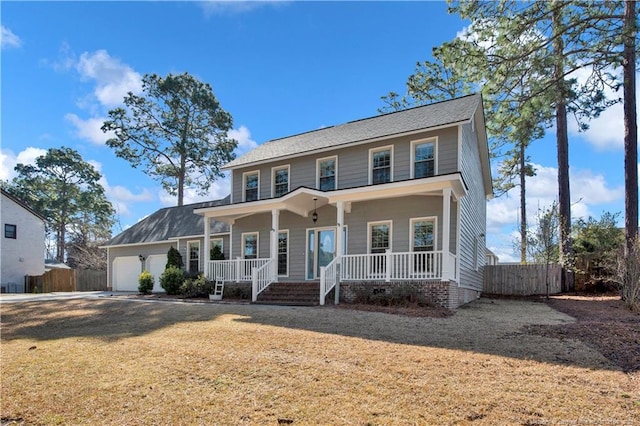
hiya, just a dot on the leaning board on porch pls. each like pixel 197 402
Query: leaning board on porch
pixel 522 280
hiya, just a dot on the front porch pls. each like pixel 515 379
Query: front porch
pixel 388 267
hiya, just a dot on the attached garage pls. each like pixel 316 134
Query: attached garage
pixel 156 264
pixel 126 270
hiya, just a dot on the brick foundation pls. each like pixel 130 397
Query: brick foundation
pixel 442 293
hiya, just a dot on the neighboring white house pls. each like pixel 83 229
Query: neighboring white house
pixel 22 243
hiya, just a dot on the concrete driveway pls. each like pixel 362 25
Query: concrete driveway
pixel 63 295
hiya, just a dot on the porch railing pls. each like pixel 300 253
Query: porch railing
pixel 261 278
pixel 235 270
pixel 417 265
pixel 328 279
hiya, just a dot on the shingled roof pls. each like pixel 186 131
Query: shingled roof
pixel 170 222
pixel 414 119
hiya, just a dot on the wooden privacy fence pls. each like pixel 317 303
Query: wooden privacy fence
pixel 522 280
pixel 66 280
pixel 53 280
pixel 90 280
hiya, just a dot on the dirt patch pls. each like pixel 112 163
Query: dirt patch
pixel 408 311
pixel 603 323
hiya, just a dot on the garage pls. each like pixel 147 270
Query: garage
pixel 156 264
pixel 126 270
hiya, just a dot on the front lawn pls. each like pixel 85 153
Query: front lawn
pixel 137 362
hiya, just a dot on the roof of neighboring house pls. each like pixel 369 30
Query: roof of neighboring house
pixel 414 119
pixel 170 222
pixel 54 264
pixel 22 204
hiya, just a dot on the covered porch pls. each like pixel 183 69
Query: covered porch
pixel 344 261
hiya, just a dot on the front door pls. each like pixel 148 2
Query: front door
pixel 321 250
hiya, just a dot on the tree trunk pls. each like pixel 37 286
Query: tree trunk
pixel 630 128
pixel 564 192
pixel 181 173
pixel 523 206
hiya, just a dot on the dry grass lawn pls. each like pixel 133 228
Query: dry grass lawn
pixel 139 363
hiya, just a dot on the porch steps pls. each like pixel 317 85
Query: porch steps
pixel 291 294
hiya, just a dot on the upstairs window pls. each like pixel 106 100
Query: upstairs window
pixel 424 159
pixel 251 186
pixel 10 231
pixel 280 181
pixel 381 165
pixel 327 173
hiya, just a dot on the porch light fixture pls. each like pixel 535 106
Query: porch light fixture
pixel 141 257
pixel 314 216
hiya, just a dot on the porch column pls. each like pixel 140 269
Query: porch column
pixel 446 228
pixel 339 247
pixel 275 225
pixel 207 246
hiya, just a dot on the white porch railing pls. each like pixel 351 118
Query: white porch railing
pixel 235 270
pixel 328 279
pixel 261 278
pixel 389 266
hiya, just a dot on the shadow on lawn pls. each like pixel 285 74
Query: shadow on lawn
pixel 493 327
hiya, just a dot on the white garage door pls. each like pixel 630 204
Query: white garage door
pixel 126 270
pixel 156 264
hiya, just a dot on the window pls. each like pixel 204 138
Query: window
pixel 283 253
pixel 327 173
pixel 217 242
pixel 250 245
pixel 251 186
pixel 280 178
pixel 381 165
pixel 193 252
pixel 423 238
pixel 10 231
pixel 424 158
pixel 379 237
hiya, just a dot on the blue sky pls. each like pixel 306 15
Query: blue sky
pixel 279 68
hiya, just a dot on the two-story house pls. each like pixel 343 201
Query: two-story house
pixel 385 201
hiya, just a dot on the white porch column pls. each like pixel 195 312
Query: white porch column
pixel 207 247
pixel 446 228
pixel 275 226
pixel 339 247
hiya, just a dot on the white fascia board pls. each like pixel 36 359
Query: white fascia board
pixel 197 236
pixel 138 244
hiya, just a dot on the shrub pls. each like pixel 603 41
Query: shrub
pixel 401 295
pixel 145 282
pixel 171 280
pixel 197 287
pixel 174 258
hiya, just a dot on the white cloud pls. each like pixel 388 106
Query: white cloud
pixel 113 78
pixel 243 136
pixel 218 190
pixel 8 160
pixel 89 129
pixel 121 197
pixel 8 38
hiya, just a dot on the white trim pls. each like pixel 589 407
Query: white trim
pixel 139 244
pixel 335 172
pixel 378 149
pixel 315 251
pixel 231 187
pixel 171 239
pixel 458 227
pixel 433 219
pixel 257 234
pixel 273 179
pixel 244 184
pixel 189 243
pixel 380 222
pixel 283 231
pixel 349 144
pixel 459 153
pixel 412 166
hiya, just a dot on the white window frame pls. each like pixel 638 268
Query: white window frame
pixel 378 149
pixel 413 220
pixel 335 172
pixel 433 140
pixel 244 184
pixel 189 244
pixel 243 235
pixel 379 222
pixel 211 244
pixel 283 231
pixel 273 179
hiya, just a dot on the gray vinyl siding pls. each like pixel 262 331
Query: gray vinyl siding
pixel 473 209
pixel 353 163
